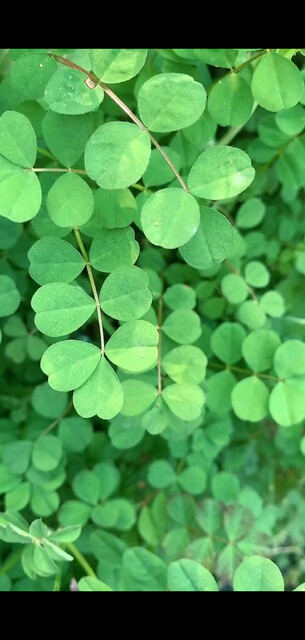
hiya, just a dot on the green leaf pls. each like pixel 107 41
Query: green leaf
pixel 259 348
pixel 92 584
pixel 230 101
pixel 47 452
pixel 171 101
pixel 117 65
pixel 113 208
pixel 109 478
pixel 208 515
pixel 225 486
pixel 113 248
pixel 65 136
pixel 184 400
pixel 158 171
pixel 256 274
pixel 138 396
pixel 188 575
pixel 86 487
pixel 20 192
pixel 277 83
pixel 61 308
pixel 107 548
pixel 185 364
pixel 54 260
pixel 287 401
pixel 31 74
pixel 19 497
pixel 101 394
pixel 68 534
pixel 117 155
pixel 291 121
pixel 170 217
pixel 212 242
pixel 75 433
pixel 43 502
pixel 47 402
pixel 220 172
pixel 219 390
pixel 180 296
pixel 182 326
pixel 17 139
pixel 73 513
pixel 289 359
pixel 143 571
pixel 250 213
pixel 193 480
pixel 67 93
pixel 16 455
pixel 234 288
pixel 250 399
pixel 125 294
pixel 9 296
pixel 226 342
pixel 69 364
pixel 258 574
pixel 70 201
pixel 161 474
pixel 134 346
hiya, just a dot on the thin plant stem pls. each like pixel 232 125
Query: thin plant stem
pixel 11 561
pixel 58 170
pixel 57 421
pixel 58 577
pixel 247 372
pixel 160 312
pixel 81 560
pixel 93 287
pixel 95 81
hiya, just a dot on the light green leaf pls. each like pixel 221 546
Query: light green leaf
pixel 171 101
pixel 230 101
pixel 113 248
pixel 185 364
pixel 170 217
pixel 47 402
pixel 66 136
pixel 188 575
pixel 125 294
pixel 101 394
pixel 117 155
pixel 256 274
pixel 109 478
pixel 193 480
pixel 70 201
pixel 250 399
pixel 138 396
pixel 61 308
pixel 20 192
pixel 9 296
pixel 75 433
pixel 182 326
pixel 69 364
pixel 158 171
pixel 67 93
pixel 17 139
pixel 250 213
pixel 234 288
pixel 16 455
pixel 31 74
pixel 86 486
pixel 225 486
pixel 287 402
pixel 134 346
pixel 259 348
pixel 143 571
pixel 47 452
pixel 277 83
pixel 258 574
pixel 161 474
pixel 180 296
pixel 184 400
pixel 226 342
pixel 220 172
pixel 92 584
pixel 289 359
pixel 117 65
pixel 212 242
pixel 54 260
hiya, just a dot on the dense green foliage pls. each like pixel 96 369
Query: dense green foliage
pixel 152 316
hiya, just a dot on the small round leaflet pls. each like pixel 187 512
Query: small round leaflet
pixel 70 201
pixel 170 217
pixel 125 294
pixel 117 155
pixel 220 172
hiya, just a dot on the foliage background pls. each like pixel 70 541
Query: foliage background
pixel 185 470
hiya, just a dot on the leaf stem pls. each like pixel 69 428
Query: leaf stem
pixel 11 562
pixel 58 170
pixel 81 560
pixel 57 421
pixel 93 287
pixel 58 577
pixel 248 372
pixel 95 81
